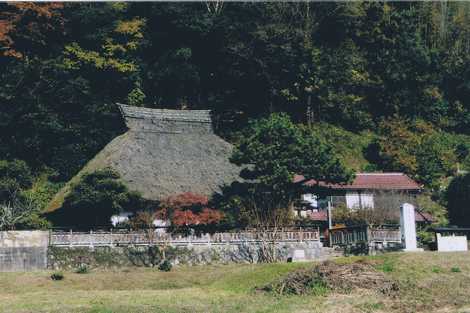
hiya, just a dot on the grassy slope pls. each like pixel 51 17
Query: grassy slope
pixel 427 284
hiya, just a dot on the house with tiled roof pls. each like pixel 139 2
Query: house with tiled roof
pixel 366 191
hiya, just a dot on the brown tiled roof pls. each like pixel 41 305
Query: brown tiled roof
pixel 374 181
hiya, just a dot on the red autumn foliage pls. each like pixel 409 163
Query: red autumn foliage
pixel 187 217
pixel 184 218
pixel 188 209
pixel 210 216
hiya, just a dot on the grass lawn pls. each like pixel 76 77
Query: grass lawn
pixel 429 282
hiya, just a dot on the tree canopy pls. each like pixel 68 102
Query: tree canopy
pixel 356 66
pixel 63 67
pixel 272 151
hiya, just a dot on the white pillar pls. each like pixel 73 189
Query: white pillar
pixel 408 227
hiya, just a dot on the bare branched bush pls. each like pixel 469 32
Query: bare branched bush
pixel 267 215
pixel 15 211
pixel 386 209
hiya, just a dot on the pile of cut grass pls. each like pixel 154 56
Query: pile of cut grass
pixel 334 277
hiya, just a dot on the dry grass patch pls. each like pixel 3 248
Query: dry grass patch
pixel 231 288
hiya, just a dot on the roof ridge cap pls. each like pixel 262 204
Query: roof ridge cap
pixel 162 109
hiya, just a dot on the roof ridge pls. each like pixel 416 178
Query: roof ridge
pixel 161 109
pixel 148 116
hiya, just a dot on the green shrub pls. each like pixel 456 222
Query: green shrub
pixel 436 269
pixel 82 269
pixel 35 221
pixel 101 189
pixel 455 270
pixel 319 288
pixel 165 266
pixel 57 276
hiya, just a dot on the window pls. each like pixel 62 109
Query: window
pixel 353 200
pixel 311 199
pixel 359 200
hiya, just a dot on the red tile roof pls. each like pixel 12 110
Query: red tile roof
pixel 375 181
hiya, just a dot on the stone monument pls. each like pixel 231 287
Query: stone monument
pixel 408 227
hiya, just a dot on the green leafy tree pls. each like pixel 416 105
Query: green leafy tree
pixel 436 160
pixel 19 205
pixel 15 176
pixel 96 197
pixel 136 97
pixel 114 46
pixel 416 148
pixel 272 151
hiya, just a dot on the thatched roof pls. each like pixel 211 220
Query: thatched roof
pixel 165 152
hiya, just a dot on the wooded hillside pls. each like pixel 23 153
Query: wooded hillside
pixel 387 83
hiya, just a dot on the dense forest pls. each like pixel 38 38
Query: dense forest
pixel 388 84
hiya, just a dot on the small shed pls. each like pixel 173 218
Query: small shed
pixel 451 238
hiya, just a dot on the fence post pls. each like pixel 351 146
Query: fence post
pixel 111 237
pixel 91 240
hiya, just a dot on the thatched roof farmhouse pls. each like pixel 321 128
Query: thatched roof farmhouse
pixel 165 152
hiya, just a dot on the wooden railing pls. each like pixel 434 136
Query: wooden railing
pixel 151 237
pixel 388 234
pixel 364 234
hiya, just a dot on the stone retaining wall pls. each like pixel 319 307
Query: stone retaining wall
pixel 122 256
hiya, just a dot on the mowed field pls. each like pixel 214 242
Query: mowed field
pixel 428 282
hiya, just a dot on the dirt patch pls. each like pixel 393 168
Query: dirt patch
pixel 332 276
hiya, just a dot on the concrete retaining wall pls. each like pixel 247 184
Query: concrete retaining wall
pixel 23 250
